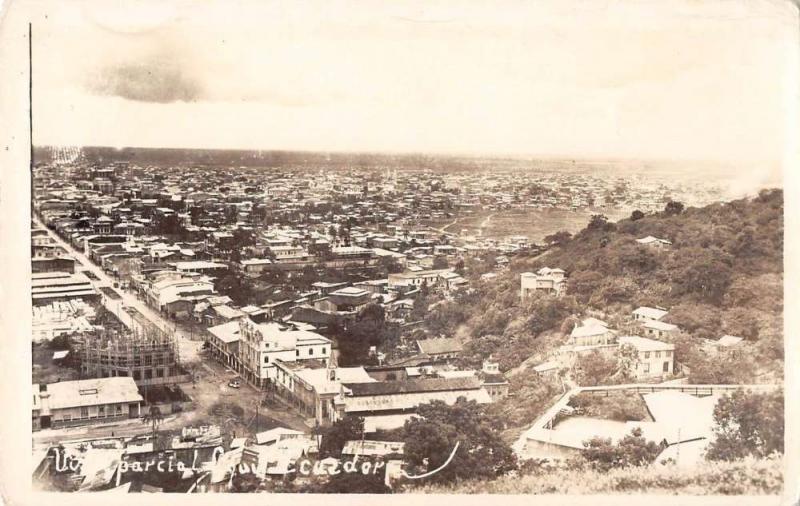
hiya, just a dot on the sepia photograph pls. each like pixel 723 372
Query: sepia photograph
pixel 414 248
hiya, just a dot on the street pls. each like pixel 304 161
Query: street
pixel 188 348
pixel 211 378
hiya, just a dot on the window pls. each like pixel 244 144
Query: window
pixel 646 367
pixel 323 351
pixel 266 359
pixel 669 354
pixel 647 354
pixel 118 409
pixel 666 366
pixel 84 412
pixel 658 354
pixel 101 411
pixel 311 351
pixel 297 353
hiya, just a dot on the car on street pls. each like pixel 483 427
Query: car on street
pixel 235 383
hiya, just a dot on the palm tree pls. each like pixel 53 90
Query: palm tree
pixel 153 417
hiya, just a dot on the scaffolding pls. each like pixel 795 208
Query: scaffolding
pixel 146 353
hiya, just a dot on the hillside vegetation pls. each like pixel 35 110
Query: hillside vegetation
pixel 722 275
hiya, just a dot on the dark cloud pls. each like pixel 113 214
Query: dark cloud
pixel 155 81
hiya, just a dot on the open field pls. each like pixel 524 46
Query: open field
pixel 533 223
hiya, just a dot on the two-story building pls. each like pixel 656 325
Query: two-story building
pixel 654 358
pixel 550 281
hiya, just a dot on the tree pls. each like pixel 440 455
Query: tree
pixel 594 368
pixel 637 215
pixel 169 225
pixel 599 222
pixel 557 238
pixel 234 287
pixel 627 357
pixel 747 423
pixel 430 440
pixel 243 238
pixel 356 483
pixel 673 208
pixel 369 329
pixel 154 418
pixel 440 262
pixel 334 437
pixel 631 450
pixel 391 265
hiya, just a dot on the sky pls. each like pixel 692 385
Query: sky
pixel 684 79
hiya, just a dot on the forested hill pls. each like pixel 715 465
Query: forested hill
pixel 723 274
pixel 721 255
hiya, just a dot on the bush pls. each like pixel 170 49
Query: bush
pixel 616 406
pixel 632 450
pixel 746 477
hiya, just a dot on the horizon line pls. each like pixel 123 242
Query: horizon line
pixel 444 154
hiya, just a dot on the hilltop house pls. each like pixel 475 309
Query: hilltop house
pixel 659 329
pixel 654 358
pixel 550 281
pixel 495 384
pixel 654 242
pixel 645 313
pixel 591 332
pixel 440 348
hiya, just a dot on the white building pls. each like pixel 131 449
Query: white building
pixel 654 358
pixel 69 403
pixel 262 344
pixel 658 329
pixel 654 242
pixel 547 280
pixel 645 313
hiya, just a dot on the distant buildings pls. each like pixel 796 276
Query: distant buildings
pixel 436 279
pixel 176 295
pixel 654 242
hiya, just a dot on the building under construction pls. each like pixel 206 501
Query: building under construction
pixel 146 353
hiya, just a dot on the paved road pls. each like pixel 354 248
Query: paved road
pixel 189 349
